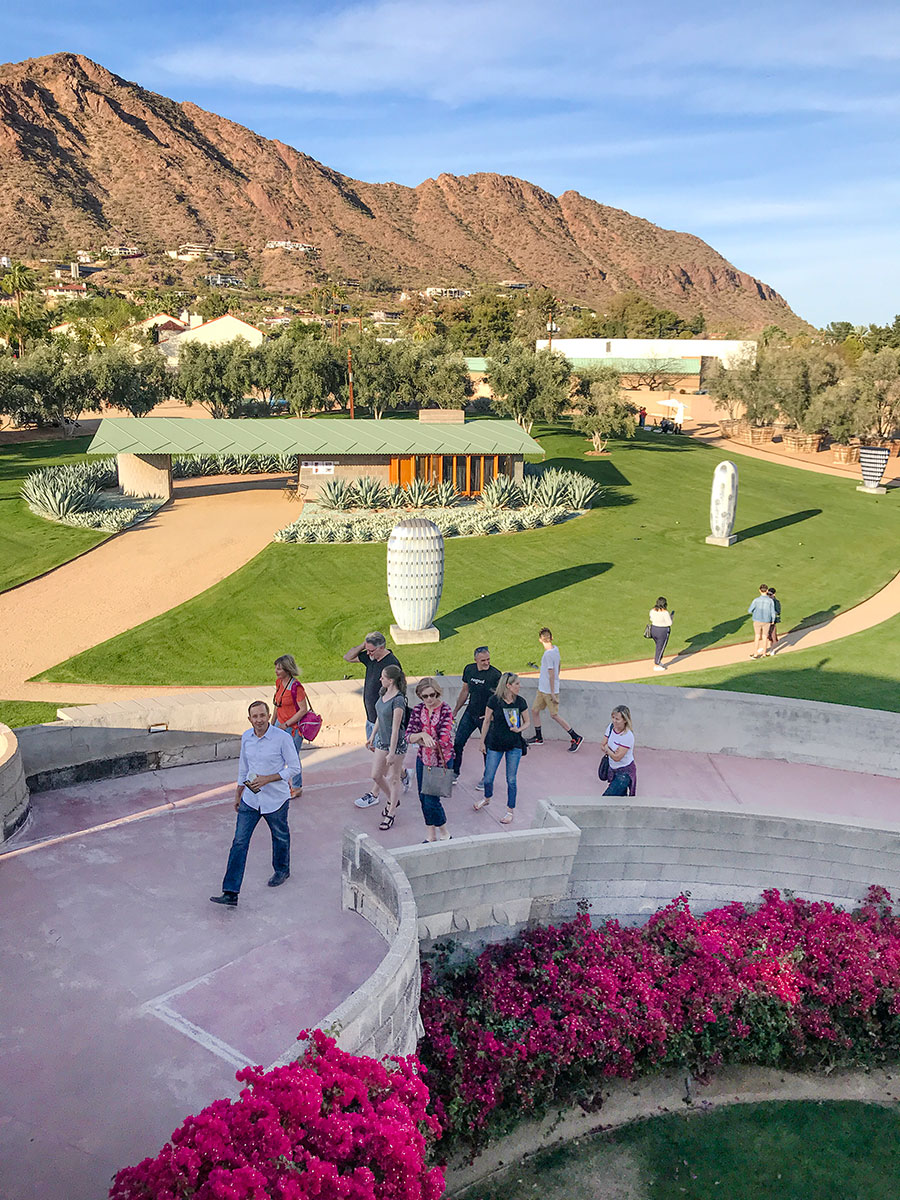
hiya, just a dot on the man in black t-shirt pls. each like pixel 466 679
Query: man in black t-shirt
pixel 479 681
pixel 374 656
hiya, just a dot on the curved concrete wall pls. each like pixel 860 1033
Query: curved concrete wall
pixel 204 726
pixel 14 800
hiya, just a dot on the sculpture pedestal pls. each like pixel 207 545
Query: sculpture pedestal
pixel 411 637
pixel 875 491
pixel 725 541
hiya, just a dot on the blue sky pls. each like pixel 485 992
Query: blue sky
pixel 769 129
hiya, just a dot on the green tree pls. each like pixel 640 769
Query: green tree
pixel 602 412
pixel 18 281
pixel 318 377
pixel 215 377
pixel 60 379
pixel 271 364
pixel 375 376
pixel 528 386
pixel 211 306
pixel 16 399
pixel 877 379
pixel 133 381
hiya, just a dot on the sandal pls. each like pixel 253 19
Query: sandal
pixel 384 811
pixel 480 804
pixel 386 822
pixel 507 818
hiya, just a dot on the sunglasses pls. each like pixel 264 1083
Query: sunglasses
pixel 429 695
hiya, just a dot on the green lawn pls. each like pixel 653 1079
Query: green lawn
pixel 863 670
pixel 16 713
pixel 592 579
pixel 800 1150
pixel 29 545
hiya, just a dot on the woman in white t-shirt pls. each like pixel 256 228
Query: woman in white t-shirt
pixel 660 628
pixel 618 743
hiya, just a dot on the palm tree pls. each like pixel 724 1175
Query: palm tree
pixel 17 280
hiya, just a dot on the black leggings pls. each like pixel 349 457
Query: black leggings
pixel 660 635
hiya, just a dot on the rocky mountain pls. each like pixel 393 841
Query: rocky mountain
pixel 87 157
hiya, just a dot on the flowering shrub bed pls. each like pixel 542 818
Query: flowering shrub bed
pixel 330 1126
pixel 541 1020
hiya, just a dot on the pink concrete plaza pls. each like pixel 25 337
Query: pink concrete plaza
pixel 128 1000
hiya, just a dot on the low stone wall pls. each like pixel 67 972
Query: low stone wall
pixel 636 853
pixel 492 880
pixel 382 1016
pixel 14 799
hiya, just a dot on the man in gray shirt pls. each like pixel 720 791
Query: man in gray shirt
pixel 267 765
pixel 762 610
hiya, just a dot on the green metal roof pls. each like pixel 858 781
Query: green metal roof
pixel 634 366
pixel 193 435
pixel 477 366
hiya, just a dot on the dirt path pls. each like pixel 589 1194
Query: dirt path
pixel 212 528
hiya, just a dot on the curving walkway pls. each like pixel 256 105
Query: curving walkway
pixel 213 526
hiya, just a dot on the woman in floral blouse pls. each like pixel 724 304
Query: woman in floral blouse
pixel 431 729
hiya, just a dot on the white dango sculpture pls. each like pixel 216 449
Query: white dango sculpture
pixel 415 579
pixel 723 505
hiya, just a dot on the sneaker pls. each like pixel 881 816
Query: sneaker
pixel 228 898
pixel 454 781
pixel 278 878
pixel 575 742
pixel 659 667
pixel 534 741
pixel 404 779
pixel 479 786
pixel 366 800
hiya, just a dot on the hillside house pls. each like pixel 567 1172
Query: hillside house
pixel 191 252
pixel 232 281
pixel 121 252
pixel 211 333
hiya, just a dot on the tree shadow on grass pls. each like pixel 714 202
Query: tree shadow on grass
pixel 777 523
pixel 519 593
pixel 606 474
pixel 809 683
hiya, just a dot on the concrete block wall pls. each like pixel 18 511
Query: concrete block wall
pixel 503 879
pixel 145 475
pixel 636 854
pixel 382 1015
pixel 14 797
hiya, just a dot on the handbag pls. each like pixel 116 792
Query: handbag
pixel 309 725
pixel 437 781
pixel 647 632
pixel 603 769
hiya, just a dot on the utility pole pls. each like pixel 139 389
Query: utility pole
pixel 350 377
pixel 550 329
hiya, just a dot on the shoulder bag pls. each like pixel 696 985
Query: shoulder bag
pixel 437 781
pixel 647 632
pixel 603 769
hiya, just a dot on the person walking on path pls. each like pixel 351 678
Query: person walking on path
pixel 291 706
pixel 618 743
pixel 267 764
pixel 431 728
pixel 505 721
pixel 374 656
pixel 479 681
pixel 773 628
pixel 660 628
pixel 388 740
pixel 762 610
pixel 548 693
pixel 642 417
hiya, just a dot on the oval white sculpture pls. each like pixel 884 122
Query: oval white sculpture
pixel 723 504
pixel 415 572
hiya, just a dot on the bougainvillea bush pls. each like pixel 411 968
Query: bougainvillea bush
pixel 330 1126
pixel 541 1020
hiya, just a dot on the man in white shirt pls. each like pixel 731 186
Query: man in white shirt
pixel 548 694
pixel 267 765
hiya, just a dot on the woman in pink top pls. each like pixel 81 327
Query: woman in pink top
pixel 431 729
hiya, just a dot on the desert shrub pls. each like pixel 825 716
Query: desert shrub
pixel 420 494
pixel 553 490
pixel 369 492
pixel 51 495
pixel 336 494
pixel 501 492
pixel 446 495
pixel 582 490
pixel 395 496
pixel 528 488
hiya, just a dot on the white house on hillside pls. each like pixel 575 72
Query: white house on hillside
pixel 727 352
pixel 212 333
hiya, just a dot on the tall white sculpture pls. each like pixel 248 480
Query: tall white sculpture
pixel 415 578
pixel 723 505
pixel 872 461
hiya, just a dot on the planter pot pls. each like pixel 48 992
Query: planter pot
pixel 804 443
pixel 415 573
pixel 760 434
pixel 728 427
pixel 845 454
pixel 872 461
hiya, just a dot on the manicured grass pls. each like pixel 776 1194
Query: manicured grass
pixel 799 1150
pixel 16 713
pixel 592 580
pixel 863 670
pixel 29 545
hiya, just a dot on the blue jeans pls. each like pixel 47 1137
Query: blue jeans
pixel 464 730
pixel 247 820
pixel 491 763
pixel 432 809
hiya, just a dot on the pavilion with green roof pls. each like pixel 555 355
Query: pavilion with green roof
pixel 440 447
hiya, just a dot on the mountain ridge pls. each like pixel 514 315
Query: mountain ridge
pixel 87 155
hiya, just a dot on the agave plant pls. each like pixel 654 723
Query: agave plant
pixel 286 461
pixel 369 492
pixel 528 488
pixel 48 494
pixel 343 531
pixel 582 490
pixel 553 489
pixel 336 495
pixel 446 495
pixel 395 496
pixel 500 492
pixel 420 494
pixel 509 522
pixel 530 517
